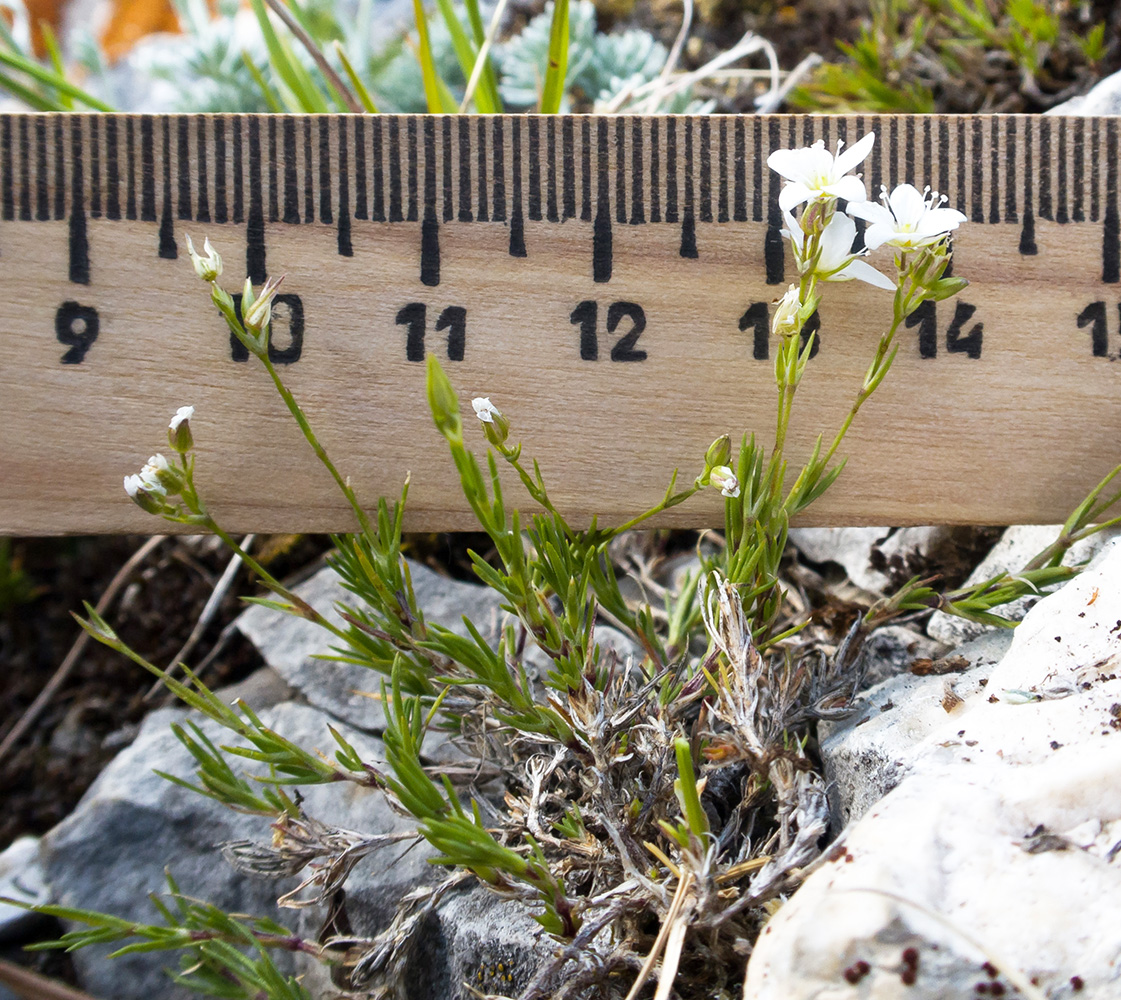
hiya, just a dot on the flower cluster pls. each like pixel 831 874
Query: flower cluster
pixel 250 322
pixel 153 487
pixel 822 239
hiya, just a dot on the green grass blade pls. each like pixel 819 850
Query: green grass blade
pixel 465 53
pixel 488 81
pixel 258 78
pixel 55 54
pixel 436 92
pixel 295 77
pixel 52 79
pixel 32 98
pixel 359 87
pixel 557 69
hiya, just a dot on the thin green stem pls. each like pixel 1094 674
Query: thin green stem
pixel 271 582
pixel 664 504
pixel 882 358
pixel 320 451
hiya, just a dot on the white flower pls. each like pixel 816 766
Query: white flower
pixel 182 414
pixel 209 267
pixel 907 219
pixel 150 474
pixel 786 322
pixel 724 479
pixel 485 410
pixel 133 485
pixel 836 261
pixel 815 174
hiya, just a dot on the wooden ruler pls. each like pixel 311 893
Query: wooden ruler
pixel 607 281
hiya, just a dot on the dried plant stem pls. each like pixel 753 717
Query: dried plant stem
pixel 663 938
pixel 316 53
pixel 31 985
pixel 35 709
pixel 210 609
pixel 481 58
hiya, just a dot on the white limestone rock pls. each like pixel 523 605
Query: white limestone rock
pixel 1016 548
pixel 998 844
pixel 1104 98
pixel 867 754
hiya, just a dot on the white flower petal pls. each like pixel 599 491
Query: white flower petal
pixel 877 234
pixel 183 413
pixel 863 271
pixel 940 220
pixel 484 409
pixel 871 211
pixel 793 229
pixel 792 194
pixel 786 162
pixel 907 205
pixel 855 154
pixel 850 188
pixel 836 242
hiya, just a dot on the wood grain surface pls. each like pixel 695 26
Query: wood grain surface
pixel 527 252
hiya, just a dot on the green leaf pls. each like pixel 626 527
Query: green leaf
pixel 307 96
pixel 557 68
pixel 436 92
pixel 355 80
pixel 52 79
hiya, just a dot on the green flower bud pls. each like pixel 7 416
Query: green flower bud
pixel 719 452
pixel 442 401
pixel 179 430
pixel 209 267
pixel 258 313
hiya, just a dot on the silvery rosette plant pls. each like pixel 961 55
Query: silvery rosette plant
pixel 655 809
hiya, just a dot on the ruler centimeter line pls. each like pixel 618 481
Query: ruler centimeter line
pixel 656 239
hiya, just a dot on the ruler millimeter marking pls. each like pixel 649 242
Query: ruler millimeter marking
pixel 526 250
pixel 621 171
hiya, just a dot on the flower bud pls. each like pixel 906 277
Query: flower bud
pixel 209 267
pixel 718 452
pixel 258 313
pixel 724 479
pixel 158 476
pixel 143 496
pixel 179 430
pixel 787 320
pixel 442 402
pixel 495 426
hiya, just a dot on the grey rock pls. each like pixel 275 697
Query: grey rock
pixel 112 851
pixel 875 559
pixel 21 878
pixel 867 754
pixel 477 938
pixel 849 547
pixel 260 690
pixel 1104 98
pixel 891 650
pixel 291 645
